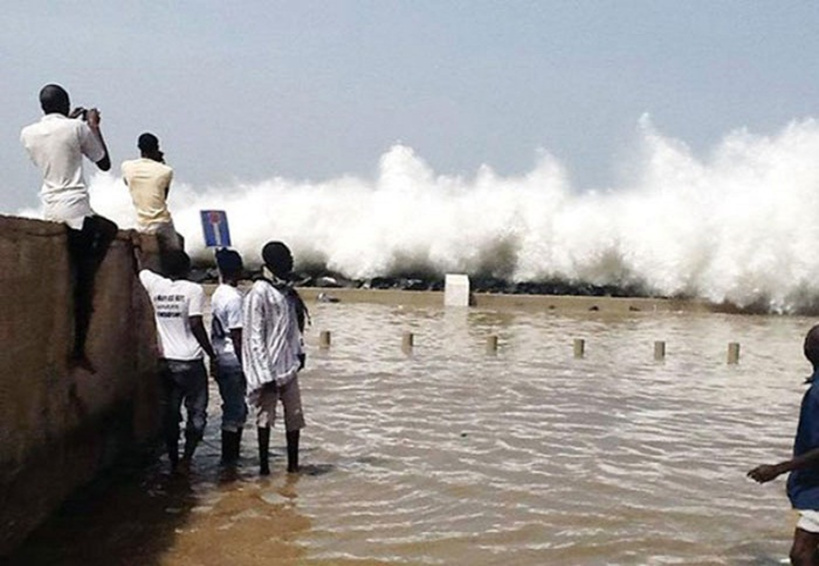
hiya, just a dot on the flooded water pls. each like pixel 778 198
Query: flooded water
pixel 451 455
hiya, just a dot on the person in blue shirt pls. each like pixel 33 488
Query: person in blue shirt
pixel 803 482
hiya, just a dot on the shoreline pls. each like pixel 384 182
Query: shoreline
pixel 501 301
pixel 510 301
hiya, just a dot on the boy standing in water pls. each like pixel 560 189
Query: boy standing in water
pixel 272 352
pixel 226 334
pixel 803 482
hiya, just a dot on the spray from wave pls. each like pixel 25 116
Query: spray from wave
pixel 739 226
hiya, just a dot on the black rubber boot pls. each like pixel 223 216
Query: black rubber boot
pixel 225 459
pixel 237 446
pixel 230 446
pixel 172 446
pixel 191 441
pixel 293 452
pixel 264 451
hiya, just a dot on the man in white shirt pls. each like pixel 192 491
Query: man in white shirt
pixel 178 308
pixel 226 335
pixel 149 181
pixel 272 353
pixel 57 144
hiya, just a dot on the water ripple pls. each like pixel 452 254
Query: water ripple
pixel 537 457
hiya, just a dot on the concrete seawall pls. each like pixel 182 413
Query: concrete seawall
pixel 60 426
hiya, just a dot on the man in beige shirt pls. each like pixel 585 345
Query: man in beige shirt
pixel 149 180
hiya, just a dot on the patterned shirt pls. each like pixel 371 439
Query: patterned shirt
pixel 271 340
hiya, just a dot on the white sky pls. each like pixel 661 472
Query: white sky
pixel 245 91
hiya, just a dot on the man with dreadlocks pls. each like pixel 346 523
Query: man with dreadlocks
pixel 272 354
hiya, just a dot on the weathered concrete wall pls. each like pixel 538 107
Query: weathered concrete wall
pixel 59 426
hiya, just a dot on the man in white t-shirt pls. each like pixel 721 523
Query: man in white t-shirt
pixel 178 308
pixel 57 144
pixel 272 354
pixel 226 335
pixel 149 181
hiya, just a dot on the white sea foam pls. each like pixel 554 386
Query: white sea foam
pixel 738 225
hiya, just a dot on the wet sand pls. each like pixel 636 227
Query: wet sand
pixel 140 514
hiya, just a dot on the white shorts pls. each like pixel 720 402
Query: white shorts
pixel 808 520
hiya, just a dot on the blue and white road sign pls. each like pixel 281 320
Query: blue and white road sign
pixel 215 228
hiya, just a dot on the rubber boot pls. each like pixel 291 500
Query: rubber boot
pixel 293 451
pixel 230 446
pixel 264 451
pixel 172 446
pixel 225 459
pixel 237 447
pixel 191 441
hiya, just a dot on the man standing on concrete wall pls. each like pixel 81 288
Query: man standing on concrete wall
pixel 56 144
pixel 178 308
pixel 226 334
pixel 149 181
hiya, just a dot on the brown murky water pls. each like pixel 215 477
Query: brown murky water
pixel 453 456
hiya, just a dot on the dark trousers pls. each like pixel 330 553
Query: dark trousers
pixel 232 389
pixel 86 249
pixel 183 382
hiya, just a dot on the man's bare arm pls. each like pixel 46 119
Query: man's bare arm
pixel 768 472
pixel 198 330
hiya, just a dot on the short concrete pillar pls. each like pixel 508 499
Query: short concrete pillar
pixel 492 345
pixel 407 342
pixel 579 347
pixel 733 353
pixel 324 339
pixel 659 350
pixel 456 290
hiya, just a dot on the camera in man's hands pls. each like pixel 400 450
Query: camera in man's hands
pixel 80 112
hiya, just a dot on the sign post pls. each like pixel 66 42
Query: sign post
pixel 215 228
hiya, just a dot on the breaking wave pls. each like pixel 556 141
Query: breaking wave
pixel 738 225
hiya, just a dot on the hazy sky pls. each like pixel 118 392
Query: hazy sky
pixel 245 91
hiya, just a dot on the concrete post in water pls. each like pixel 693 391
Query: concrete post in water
pixel 733 353
pixel 492 345
pixel 579 347
pixel 456 290
pixel 407 342
pixel 324 340
pixel 659 350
